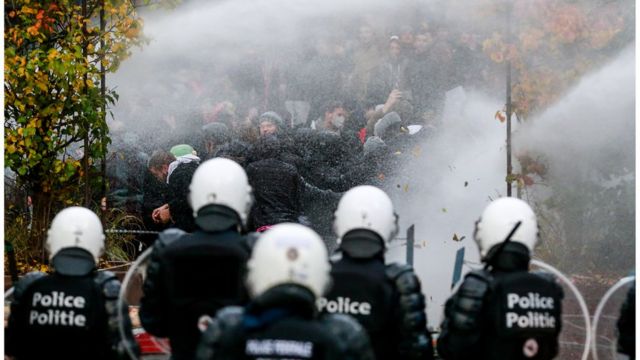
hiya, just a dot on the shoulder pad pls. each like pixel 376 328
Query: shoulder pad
pixel 394 270
pixel 226 319
pixel 544 274
pixel 23 284
pixel 104 276
pixel 353 340
pixel 404 278
pixel 230 316
pixel 250 240
pixel 476 284
pixel 168 236
pixel 109 284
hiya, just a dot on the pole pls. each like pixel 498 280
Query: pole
pixel 411 231
pixel 508 105
pixel 85 159
pixel 103 91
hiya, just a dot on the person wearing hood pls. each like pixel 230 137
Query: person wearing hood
pixel 391 74
pixel 215 135
pixel 176 211
pixel 271 123
pixel 277 185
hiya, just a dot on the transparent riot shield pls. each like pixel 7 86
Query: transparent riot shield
pixel 131 292
pixel 8 298
pixel 604 336
pixel 575 338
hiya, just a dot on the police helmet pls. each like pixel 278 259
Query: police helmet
pixel 499 218
pixel 220 181
pixel 289 254
pixel 76 227
pixel 366 208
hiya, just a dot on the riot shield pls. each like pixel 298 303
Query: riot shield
pixel 131 292
pixel 575 337
pixel 8 297
pixel 604 334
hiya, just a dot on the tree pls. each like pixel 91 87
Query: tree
pixel 55 111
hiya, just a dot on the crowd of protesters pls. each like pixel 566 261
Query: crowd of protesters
pixel 338 115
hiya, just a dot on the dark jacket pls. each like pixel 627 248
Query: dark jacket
pixel 155 194
pixel 179 182
pixel 191 275
pixel 277 188
pixel 67 315
pixel 283 315
pixel 507 313
pixel 377 295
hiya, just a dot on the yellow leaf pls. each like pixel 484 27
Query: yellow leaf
pixel 42 85
pixel 52 54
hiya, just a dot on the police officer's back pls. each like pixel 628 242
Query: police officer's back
pixel 507 312
pixel 288 270
pixel 626 324
pixel 196 274
pixel 386 299
pixel 71 313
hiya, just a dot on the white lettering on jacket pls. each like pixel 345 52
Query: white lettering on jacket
pixel 59 310
pixel 343 305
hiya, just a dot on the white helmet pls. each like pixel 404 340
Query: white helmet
pixel 366 207
pixel 499 218
pixel 221 181
pixel 76 227
pixel 289 254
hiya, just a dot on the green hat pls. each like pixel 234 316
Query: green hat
pixel 182 150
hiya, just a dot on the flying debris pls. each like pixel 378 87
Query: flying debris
pixel 456 238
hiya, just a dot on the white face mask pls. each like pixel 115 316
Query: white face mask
pixel 338 122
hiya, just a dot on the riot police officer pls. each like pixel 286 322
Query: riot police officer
pixel 288 270
pixel 626 324
pixel 71 313
pixel 385 299
pixel 504 311
pixel 195 274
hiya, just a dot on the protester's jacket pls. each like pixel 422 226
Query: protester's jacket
pixel 277 189
pixel 155 194
pixel 179 180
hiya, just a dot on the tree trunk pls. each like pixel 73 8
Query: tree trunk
pixel 40 223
